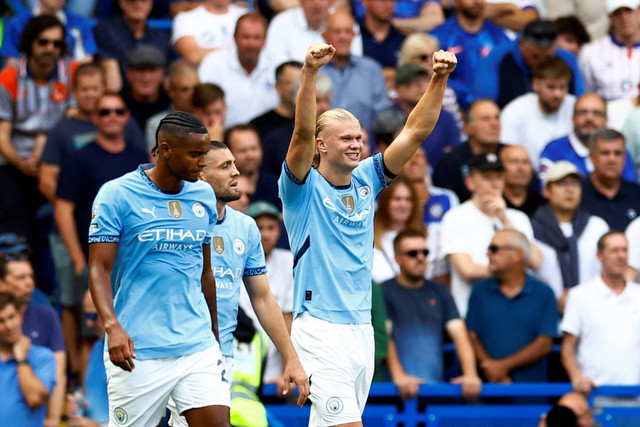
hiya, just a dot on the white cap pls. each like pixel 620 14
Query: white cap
pixel 560 170
pixel 612 5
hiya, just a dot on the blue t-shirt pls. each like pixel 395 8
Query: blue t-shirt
pixel 504 326
pixel 95 384
pixel 14 410
pixel 331 236
pixel 419 316
pixel 236 251
pixel 42 325
pixel 156 275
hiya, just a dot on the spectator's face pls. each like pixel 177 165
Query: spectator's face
pixel 245 146
pixel 88 91
pixel 44 51
pixel 212 113
pixel 569 42
pixel 400 206
pixel 222 174
pixel 625 22
pixel 19 280
pixel 250 39
pixel 590 114
pixel 424 58
pixel 181 90
pixel 146 80
pixel 614 255
pixel 470 8
pixel 517 166
pixel 53 4
pixel 323 103
pixel 380 10
pixel 486 183
pixel 551 92
pixel 502 254
pixel 283 84
pixel 136 10
pixel 411 258
pixel 111 116
pixel 247 190
pixel 608 159
pixel 532 53
pixel 484 123
pixel 564 195
pixel 10 325
pixel 412 92
pixel 269 227
pixel 316 12
pixel 340 33
pixel 416 168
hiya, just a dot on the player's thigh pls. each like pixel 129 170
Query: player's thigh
pixel 207 416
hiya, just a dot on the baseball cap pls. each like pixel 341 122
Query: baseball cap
pixel 405 73
pixel 485 162
pixel 262 207
pixel 388 122
pixel 560 170
pixel 541 32
pixel 613 5
pixel 146 55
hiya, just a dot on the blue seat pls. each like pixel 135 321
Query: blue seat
pixel 485 416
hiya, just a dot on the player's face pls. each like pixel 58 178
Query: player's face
pixel 590 114
pixel 400 205
pixel 565 194
pixel 20 280
pixel 187 160
pixel 88 90
pixel 222 174
pixel 10 325
pixel 551 92
pixel 608 158
pixel 269 228
pixel 411 258
pixel 614 255
pixel 341 144
pixel 517 166
pixel 247 150
pixel 44 51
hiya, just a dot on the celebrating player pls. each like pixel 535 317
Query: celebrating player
pixel 328 197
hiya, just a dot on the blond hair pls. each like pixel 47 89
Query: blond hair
pixel 413 44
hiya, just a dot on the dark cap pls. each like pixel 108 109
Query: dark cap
pixel 262 207
pixel 485 162
pixel 405 73
pixel 388 122
pixel 145 55
pixel 540 32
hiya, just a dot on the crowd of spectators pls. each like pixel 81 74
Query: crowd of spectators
pixel 514 225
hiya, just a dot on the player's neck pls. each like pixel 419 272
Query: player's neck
pixel 163 178
pixel 221 207
pixel 335 177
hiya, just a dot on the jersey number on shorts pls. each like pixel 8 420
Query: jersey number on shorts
pixel 224 371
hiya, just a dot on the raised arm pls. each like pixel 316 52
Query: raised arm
pixel 303 145
pixel 423 117
pixel 101 257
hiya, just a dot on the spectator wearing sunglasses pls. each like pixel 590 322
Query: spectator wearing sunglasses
pixel 81 176
pixel 512 317
pixel 419 311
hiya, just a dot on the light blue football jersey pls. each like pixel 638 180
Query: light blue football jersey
pixel 331 236
pixel 236 251
pixel 156 276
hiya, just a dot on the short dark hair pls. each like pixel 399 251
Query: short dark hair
pixel 178 124
pixel 7 298
pixel 553 68
pixel 206 94
pixel 6 258
pixel 34 27
pixel 572 25
pixel 281 67
pixel 88 69
pixel 238 128
pixel 602 241
pixel 406 234
pixel 605 134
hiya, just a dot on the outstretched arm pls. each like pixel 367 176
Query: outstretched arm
pixel 423 117
pixel 302 147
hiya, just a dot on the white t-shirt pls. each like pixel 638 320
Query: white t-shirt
pixel 633 238
pixel 466 229
pixel 210 30
pixel 618 111
pixel 523 123
pixel 608 328
pixel 588 264
pixel 247 95
pixel 280 277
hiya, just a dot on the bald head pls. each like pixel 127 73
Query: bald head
pixel 340 32
pixel 518 170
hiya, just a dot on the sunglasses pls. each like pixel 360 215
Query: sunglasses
pixel 495 248
pixel 91 316
pixel 46 42
pixel 423 57
pixel 106 111
pixel 414 253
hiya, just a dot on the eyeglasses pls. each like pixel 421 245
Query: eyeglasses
pixel 414 253
pixel 106 111
pixel 91 316
pixel 598 113
pixel 54 42
pixel 422 57
pixel 495 248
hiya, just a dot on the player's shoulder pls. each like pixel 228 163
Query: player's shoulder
pixel 240 219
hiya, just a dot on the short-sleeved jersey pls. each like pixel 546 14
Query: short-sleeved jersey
pixel 331 236
pixel 156 275
pixel 236 251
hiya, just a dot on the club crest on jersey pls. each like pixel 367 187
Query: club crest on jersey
pixel 238 246
pixel 198 209
pixel 120 415
pixel 218 244
pixel 364 192
pixel 94 212
pixel 348 203
pixel 175 209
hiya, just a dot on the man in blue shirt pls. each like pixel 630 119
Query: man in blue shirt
pixel 152 283
pixel 27 371
pixel 328 207
pixel 512 317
